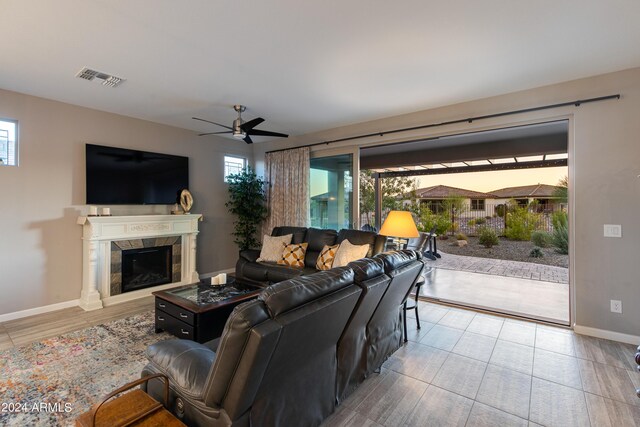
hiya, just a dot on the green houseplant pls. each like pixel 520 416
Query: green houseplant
pixel 248 202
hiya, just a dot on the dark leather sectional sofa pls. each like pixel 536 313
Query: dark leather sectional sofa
pixel 248 269
pixel 290 356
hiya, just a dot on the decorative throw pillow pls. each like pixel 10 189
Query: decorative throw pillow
pixel 272 247
pixel 326 257
pixel 293 255
pixel 348 252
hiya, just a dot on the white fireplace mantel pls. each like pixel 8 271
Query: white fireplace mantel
pixel 98 233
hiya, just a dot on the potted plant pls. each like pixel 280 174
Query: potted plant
pixel 248 202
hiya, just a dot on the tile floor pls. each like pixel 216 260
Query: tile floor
pixel 464 368
pixel 461 368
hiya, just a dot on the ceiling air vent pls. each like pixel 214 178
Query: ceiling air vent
pixel 107 79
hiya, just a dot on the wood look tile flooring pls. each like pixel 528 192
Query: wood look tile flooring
pixel 15 333
pixel 461 368
pixel 464 368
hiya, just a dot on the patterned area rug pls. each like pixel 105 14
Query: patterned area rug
pixel 57 379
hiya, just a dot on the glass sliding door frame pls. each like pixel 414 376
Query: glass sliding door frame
pixel 355 172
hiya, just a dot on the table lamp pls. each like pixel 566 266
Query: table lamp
pixel 399 225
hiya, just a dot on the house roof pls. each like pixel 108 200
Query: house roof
pixel 537 190
pixel 444 191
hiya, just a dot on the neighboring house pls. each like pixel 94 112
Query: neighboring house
pixel 477 203
pixel 542 193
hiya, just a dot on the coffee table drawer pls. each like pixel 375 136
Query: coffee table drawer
pixel 174 326
pixel 175 311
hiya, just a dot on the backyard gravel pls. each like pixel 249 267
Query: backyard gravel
pixel 507 249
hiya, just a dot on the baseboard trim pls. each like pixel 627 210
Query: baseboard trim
pixel 38 310
pixel 608 335
pixel 108 301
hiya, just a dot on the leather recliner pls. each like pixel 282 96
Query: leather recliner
pixel 384 330
pixel 353 344
pixel 250 270
pixel 275 363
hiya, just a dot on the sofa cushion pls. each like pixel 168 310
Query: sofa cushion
pixel 293 255
pixel 292 293
pixel 299 233
pixel 277 273
pixel 394 260
pixel 318 239
pixel 359 237
pixel 348 252
pixel 272 247
pixel 326 257
pixel 367 268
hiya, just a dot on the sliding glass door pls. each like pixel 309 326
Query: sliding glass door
pixel 332 192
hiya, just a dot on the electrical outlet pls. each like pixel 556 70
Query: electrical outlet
pixel 616 306
pixel 612 230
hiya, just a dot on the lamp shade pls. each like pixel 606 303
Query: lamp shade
pixel 399 224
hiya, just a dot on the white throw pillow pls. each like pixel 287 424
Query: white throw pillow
pixel 348 252
pixel 272 247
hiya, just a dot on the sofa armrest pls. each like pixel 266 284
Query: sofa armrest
pixel 186 363
pixel 250 255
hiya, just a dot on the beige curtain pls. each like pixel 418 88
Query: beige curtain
pixel 287 175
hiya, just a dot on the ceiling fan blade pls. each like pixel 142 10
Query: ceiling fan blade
pixel 258 132
pixel 251 124
pixel 209 121
pixel 248 139
pixel 213 133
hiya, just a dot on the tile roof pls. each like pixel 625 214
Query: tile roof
pixel 537 190
pixel 444 191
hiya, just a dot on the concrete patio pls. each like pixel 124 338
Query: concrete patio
pixel 524 289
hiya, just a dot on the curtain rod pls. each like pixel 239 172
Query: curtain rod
pixel 576 103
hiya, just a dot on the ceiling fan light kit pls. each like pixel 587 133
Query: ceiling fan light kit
pixel 241 129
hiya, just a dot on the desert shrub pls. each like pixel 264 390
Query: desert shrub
pixel 541 238
pixel 487 237
pixel 560 236
pixel 521 223
pixel 471 222
pixel 461 236
pixel 428 220
pixel 481 221
pixel 536 253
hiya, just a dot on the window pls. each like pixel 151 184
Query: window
pixel 8 142
pixel 233 165
pixel 477 204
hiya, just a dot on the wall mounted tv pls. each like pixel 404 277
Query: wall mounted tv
pixel 118 176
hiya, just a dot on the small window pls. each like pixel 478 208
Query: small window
pixel 8 142
pixel 233 165
pixel 477 204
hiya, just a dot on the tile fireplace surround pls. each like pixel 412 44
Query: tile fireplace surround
pixel 103 237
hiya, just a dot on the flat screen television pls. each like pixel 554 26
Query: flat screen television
pixel 118 176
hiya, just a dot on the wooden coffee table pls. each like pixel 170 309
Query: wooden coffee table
pixel 199 311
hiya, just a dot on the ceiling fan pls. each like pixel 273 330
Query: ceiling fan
pixel 241 129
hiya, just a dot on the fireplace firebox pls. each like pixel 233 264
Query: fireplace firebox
pixel 146 267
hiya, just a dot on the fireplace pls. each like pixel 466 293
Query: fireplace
pixel 146 267
pixel 105 238
pixel 143 263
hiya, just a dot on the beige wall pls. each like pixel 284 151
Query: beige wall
pixel 40 243
pixel 604 166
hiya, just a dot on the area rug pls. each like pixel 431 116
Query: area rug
pixel 51 382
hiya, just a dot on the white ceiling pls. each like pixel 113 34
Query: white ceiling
pixel 306 66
